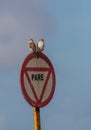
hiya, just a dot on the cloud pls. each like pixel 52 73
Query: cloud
pixel 19 22
pixel 9 46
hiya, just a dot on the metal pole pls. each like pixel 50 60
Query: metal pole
pixel 37 124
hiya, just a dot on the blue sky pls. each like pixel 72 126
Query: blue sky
pixel 65 26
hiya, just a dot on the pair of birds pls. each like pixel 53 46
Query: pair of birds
pixel 34 48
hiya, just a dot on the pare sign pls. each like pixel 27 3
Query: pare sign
pixel 37 79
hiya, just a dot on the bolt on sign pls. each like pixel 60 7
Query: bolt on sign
pixel 37 79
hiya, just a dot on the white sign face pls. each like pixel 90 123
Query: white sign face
pixel 37 80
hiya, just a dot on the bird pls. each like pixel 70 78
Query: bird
pixel 40 45
pixel 32 45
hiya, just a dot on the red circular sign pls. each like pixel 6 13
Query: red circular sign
pixel 37 79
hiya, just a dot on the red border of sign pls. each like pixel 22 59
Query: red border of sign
pixel 23 70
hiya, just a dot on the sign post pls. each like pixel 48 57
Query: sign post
pixel 37 123
pixel 37 79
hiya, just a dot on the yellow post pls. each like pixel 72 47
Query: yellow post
pixel 37 124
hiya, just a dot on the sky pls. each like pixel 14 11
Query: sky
pixel 65 26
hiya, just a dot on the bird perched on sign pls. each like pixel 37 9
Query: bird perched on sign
pixel 40 45
pixel 32 46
